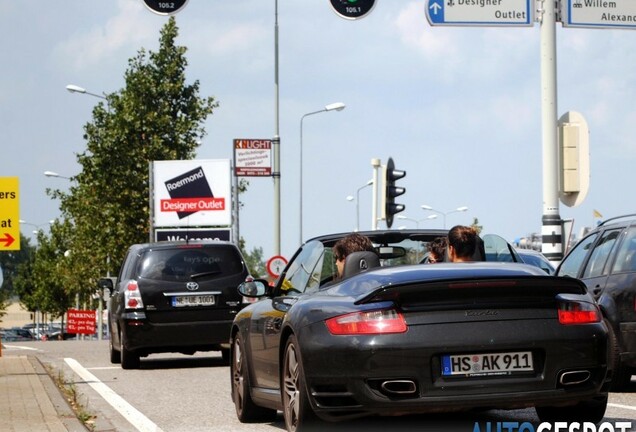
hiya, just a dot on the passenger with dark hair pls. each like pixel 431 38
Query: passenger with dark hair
pixel 462 243
pixel 437 250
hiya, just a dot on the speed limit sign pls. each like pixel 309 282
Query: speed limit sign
pixel 275 265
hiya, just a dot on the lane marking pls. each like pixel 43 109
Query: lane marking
pixel 627 407
pixel 130 413
pixel 20 347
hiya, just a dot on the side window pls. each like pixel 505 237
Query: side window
pixel 626 256
pixel 600 254
pixel 573 262
pixel 304 271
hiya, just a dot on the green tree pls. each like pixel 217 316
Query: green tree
pixel 156 116
pixel 10 262
pixel 42 281
pixel 476 225
pixel 254 260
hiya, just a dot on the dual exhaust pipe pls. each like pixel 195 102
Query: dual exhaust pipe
pixel 406 387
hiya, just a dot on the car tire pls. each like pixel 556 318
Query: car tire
pixel 129 359
pixel 621 375
pixel 591 411
pixel 115 356
pixel 297 411
pixel 246 410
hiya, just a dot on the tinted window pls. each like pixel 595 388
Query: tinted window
pixel 189 263
pixel 626 256
pixel 596 265
pixel 573 262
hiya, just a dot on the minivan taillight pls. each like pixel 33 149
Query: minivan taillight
pixel 578 313
pixel 132 296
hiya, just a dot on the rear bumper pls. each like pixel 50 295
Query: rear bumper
pixel 145 337
pixel 349 379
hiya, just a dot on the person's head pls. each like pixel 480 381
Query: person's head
pixel 462 241
pixel 437 250
pixel 351 243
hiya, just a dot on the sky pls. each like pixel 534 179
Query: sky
pixel 457 108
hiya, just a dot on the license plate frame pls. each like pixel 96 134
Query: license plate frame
pixel 487 364
pixel 198 300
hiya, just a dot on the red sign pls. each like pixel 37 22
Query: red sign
pixel 192 204
pixel 81 321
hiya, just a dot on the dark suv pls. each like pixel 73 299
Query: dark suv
pixel 175 297
pixel 605 259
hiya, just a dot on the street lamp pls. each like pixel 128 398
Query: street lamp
pixel 444 214
pixel 417 222
pixel 357 198
pixel 54 174
pixel 77 89
pixel 337 106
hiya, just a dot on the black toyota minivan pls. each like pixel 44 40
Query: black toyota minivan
pixel 175 297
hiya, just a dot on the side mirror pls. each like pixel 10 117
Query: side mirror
pixel 106 283
pixel 253 288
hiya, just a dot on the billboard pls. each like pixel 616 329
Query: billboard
pixel 192 193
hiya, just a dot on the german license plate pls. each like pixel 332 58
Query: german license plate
pixel 193 300
pixel 506 363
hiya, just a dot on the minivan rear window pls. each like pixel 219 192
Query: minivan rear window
pixel 184 264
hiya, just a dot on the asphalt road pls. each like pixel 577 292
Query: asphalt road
pixel 173 392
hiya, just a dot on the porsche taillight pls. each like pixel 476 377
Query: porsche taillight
pixel 367 323
pixel 578 313
pixel 132 296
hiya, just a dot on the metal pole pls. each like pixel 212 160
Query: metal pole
pixel 276 140
pixel 551 221
pixel 375 163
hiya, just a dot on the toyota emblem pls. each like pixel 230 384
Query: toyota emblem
pixel 192 286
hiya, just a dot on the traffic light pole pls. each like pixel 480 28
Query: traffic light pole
pixel 551 230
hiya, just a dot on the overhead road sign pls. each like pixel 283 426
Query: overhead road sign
pixel 485 13
pixel 618 14
pixel 9 214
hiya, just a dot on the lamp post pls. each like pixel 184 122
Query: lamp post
pixel 337 106
pixel 417 222
pixel 357 198
pixel 444 214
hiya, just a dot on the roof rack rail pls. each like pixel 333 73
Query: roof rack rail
pixel 615 218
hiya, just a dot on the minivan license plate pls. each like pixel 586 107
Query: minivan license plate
pixel 194 300
pixel 507 363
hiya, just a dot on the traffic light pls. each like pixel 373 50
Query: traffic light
pixel 391 191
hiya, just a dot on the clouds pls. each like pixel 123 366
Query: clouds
pixel 83 50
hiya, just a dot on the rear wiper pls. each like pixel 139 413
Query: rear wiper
pixel 204 274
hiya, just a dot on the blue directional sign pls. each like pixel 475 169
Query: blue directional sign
pixel 480 12
pixel 615 14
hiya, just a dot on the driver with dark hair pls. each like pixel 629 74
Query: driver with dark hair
pixel 345 246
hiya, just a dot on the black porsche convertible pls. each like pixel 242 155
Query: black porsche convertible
pixel 397 336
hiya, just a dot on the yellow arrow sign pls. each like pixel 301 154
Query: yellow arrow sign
pixel 9 214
